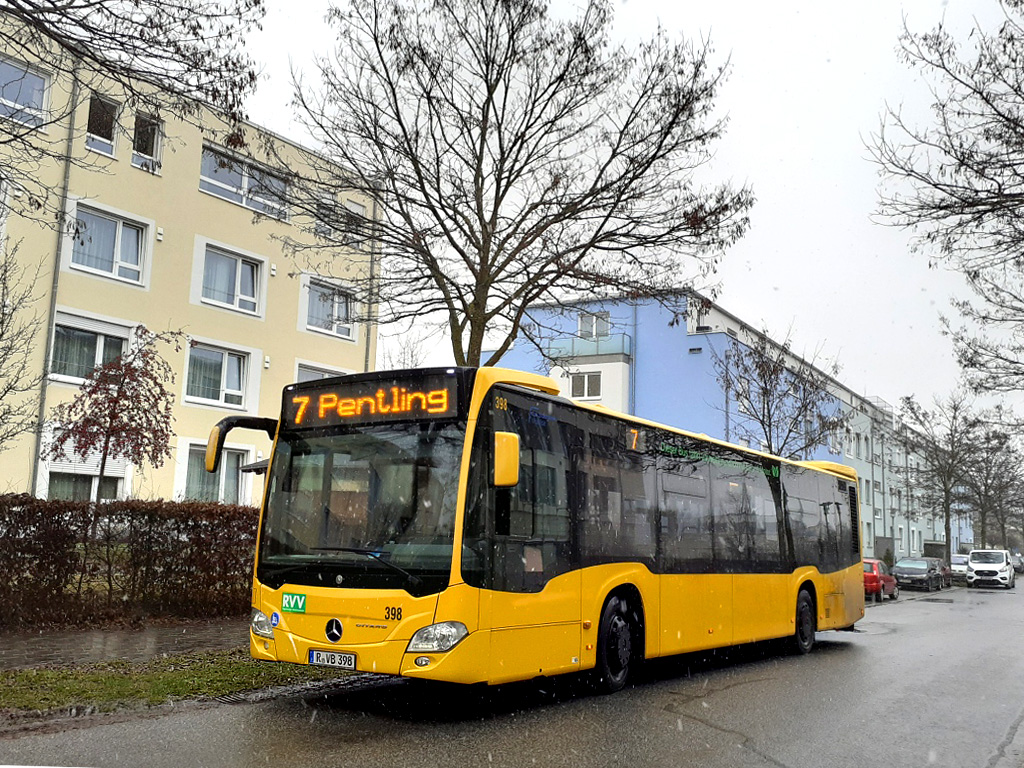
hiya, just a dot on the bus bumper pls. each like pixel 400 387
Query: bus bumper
pixel 467 662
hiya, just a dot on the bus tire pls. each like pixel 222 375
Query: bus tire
pixel 616 639
pixel 803 636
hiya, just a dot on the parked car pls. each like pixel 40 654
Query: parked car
pixel 990 567
pixel 918 573
pixel 944 571
pixel 1018 563
pixel 879 583
pixel 958 564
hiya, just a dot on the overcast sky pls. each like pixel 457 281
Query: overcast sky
pixel 808 83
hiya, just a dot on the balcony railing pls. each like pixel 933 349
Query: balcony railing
pixel 574 346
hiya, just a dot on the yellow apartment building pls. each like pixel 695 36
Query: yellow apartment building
pixel 166 227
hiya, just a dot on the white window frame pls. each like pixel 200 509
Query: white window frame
pixel 240 261
pixel 93 482
pixel 247 193
pixel 244 454
pixel 339 330
pixel 150 163
pixel 121 220
pixel 587 378
pixel 323 371
pixel 95 142
pixel 589 325
pixel 117 467
pixel 100 332
pixel 246 373
pixel 38 114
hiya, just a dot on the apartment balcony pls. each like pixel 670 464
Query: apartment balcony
pixel 596 346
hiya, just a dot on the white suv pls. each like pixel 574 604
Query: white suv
pixel 990 566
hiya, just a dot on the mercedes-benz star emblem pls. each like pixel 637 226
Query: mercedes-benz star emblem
pixel 333 630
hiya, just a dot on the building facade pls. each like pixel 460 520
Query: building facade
pixel 657 360
pixel 166 226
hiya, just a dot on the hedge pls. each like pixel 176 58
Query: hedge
pixel 75 561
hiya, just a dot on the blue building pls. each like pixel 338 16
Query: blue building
pixel 657 360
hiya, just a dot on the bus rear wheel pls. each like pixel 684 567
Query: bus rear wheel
pixel 803 635
pixel 616 651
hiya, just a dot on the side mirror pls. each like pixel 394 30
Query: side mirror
pixel 219 434
pixel 506 459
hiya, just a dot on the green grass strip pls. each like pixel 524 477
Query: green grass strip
pixel 111 685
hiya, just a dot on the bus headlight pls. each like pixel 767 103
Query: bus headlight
pixel 437 638
pixel 260 625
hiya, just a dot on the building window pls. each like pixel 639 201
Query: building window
pixel 230 280
pixel 99 134
pixel 77 352
pixel 108 244
pixel 328 212
pixel 21 94
pixel 330 310
pixel 312 373
pixel 64 486
pixel 585 385
pixel 243 183
pixel 593 325
pixel 224 485
pixel 146 143
pixel 216 375
pixel 900 539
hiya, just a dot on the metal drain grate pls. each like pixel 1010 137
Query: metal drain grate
pixel 935 600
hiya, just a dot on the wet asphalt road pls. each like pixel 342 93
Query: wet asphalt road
pixel 929 680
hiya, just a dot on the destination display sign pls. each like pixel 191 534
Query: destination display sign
pixel 371 402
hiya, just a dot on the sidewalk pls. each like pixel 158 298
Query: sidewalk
pixel 33 648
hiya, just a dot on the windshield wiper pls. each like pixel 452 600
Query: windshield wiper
pixel 371 553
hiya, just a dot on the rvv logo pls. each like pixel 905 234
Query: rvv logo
pixel 293 603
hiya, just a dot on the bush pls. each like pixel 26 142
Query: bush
pixel 75 561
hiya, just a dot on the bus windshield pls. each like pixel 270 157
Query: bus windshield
pixel 367 508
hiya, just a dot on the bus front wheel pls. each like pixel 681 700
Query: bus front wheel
pixel 803 636
pixel 615 645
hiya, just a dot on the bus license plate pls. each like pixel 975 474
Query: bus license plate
pixel 333 659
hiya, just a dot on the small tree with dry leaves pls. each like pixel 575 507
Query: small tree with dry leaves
pixel 123 409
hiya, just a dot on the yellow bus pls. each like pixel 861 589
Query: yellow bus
pixel 470 525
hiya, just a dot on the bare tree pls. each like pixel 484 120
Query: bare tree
pixel 993 482
pixel 402 350
pixel 944 437
pixel 20 326
pixel 154 56
pixel 958 183
pixel 785 402
pixel 513 158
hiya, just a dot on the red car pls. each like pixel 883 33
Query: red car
pixel 878 582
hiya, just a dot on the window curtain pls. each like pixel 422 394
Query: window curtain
pixel 94 242
pixel 232 469
pixel 321 307
pixel 200 485
pixel 219 277
pixel 204 373
pixel 67 487
pixel 74 351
